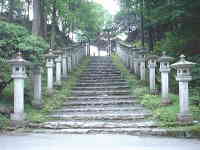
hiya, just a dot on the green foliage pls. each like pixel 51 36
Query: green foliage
pixel 4 121
pixel 151 101
pixel 15 37
pixel 166 115
pixel 171 43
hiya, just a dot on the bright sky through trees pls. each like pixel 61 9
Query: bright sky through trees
pixel 110 5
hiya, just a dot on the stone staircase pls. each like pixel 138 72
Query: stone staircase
pixel 100 103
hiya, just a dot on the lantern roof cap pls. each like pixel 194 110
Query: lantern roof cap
pixel 57 52
pixel 155 57
pixel 165 58
pixel 18 60
pixel 50 54
pixel 182 63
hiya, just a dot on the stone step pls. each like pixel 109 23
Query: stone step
pixel 62 124
pixel 98 93
pixel 106 106
pixel 99 109
pixel 103 97
pixel 123 131
pixel 102 81
pixel 102 84
pixel 100 78
pixel 124 116
pixel 103 88
pixel 101 65
pixel 100 74
pixel 99 102
pixel 101 70
pixel 110 112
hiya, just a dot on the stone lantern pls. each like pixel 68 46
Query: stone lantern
pixel 58 61
pixel 165 69
pixel 50 64
pixel 141 61
pixel 18 75
pixel 183 76
pixel 64 64
pixel 152 60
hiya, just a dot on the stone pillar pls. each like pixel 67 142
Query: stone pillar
pixel 58 61
pixel 69 61
pixel 64 65
pixel 152 73
pixel 142 67
pixel 37 86
pixel 136 69
pixel 18 75
pixel 183 76
pixel 50 64
pixel 165 69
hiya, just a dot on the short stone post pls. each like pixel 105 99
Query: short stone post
pixel 152 72
pixel 50 64
pixel 37 86
pixel 69 60
pixel 130 59
pixel 142 66
pixel 165 69
pixel 183 76
pixel 18 75
pixel 136 69
pixel 58 61
pixel 64 65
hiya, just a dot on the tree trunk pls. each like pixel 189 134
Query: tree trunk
pixel 142 22
pixel 53 27
pixel 43 20
pixel 11 9
pixel 36 24
pixel 151 43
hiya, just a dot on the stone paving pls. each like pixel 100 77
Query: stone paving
pixel 100 103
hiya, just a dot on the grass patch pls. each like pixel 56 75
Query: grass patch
pixel 166 115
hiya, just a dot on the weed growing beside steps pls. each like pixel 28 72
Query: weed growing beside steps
pixel 166 115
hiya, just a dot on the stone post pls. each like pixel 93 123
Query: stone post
pixel 165 69
pixel 152 72
pixel 64 65
pixel 50 64
pixel 37 86
pixel 136 69
pixel 18 75
pixel 69 60
pixel 58 61
pixel 183 76
pixel 142 66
